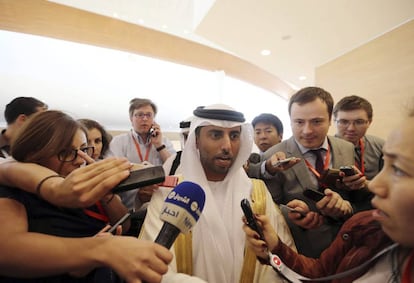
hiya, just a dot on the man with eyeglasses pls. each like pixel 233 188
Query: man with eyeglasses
pixel 143 144
pixel 353 116
pixel 310 111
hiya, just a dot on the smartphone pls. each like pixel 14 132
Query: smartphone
pixel 119 222
pixel 348 170
pixel 303 214
pixel 251 221
pixel 152 132
pixel 282 162
pixel 313 194
pixel 330 177
pixel 141 178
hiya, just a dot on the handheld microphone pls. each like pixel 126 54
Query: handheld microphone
pixel 254 158
pixel 180 212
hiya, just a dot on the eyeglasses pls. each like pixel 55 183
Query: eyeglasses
pixel 68 155
pixel 357 123
pixel 141 115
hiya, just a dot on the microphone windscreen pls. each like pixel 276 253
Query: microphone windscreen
pixel 183 206
pixel 254 158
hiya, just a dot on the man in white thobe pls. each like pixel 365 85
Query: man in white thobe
pixel 218 145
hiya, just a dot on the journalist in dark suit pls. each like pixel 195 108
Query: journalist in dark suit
pixel 310 110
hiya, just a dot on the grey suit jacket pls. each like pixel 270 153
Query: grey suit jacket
pixel 290 184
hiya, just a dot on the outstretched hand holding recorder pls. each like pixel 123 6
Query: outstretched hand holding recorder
pixel 251 220
pixel 140 178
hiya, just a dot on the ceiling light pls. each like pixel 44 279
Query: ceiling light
pixel 265 52
pixel 302 78
pixel 141 21
pixel 164 26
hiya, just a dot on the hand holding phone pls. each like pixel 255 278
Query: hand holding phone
pixel 251 221
pixel 152 132
pixel 119 222
pixel 302 214
pixel 141 178
pixel 330 177
pixel 282 162
pixel 348 170
pixel 313 194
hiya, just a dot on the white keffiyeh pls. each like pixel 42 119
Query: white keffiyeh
pixel 220 241
pixel 218 238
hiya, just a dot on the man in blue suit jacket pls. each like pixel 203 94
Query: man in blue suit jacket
pixel 310 111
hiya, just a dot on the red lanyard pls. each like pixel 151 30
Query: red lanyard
pixel 361 166
pixel 325 163
pixel 139 149
pixel 406 278
pixel 101 215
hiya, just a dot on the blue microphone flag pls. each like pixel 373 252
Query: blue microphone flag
pixel 183 206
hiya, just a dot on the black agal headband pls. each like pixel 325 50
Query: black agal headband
pixel 219 114
pixel 185 124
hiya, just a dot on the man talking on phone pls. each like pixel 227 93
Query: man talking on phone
pixel 143 144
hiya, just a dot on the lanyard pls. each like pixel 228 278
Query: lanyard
pixel 325 164
pixel 361 166
pixel 294 277
pixel 101 215
pixel 137 147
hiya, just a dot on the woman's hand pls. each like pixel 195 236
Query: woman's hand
pixel 86 185
pixel 258 246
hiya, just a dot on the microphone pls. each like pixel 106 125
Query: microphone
pixel 254 158
pixel 180 212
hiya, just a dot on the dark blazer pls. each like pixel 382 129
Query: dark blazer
pixel 290 184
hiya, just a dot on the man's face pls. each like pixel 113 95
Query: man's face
pixel 142 119
pixel 218 149
pixel 310 123
pixel 265 136
pixel 352 125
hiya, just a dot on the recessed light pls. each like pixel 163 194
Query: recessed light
pixel 116 15
pixel 265 52
pixel 302 78
pixel 141 21
pixel 164 26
